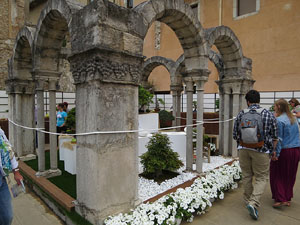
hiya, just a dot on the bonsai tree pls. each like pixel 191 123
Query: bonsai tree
pixel 71 121
pixel 145 98
pixel 160 156
pixel 164 117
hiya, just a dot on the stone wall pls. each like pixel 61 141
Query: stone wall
pixel 11 20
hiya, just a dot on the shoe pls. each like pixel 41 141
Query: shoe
pixel 252 211
pixel 286 204
pixel 277 205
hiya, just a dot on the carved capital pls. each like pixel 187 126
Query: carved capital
pixel 176 88
pixel 110 67
pixel 17 86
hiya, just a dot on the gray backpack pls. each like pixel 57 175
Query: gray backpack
pixel 251 128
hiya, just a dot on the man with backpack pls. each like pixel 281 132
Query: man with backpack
pixel 255 130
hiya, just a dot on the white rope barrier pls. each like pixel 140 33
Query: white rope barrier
pixel 42 130
pixel 183 118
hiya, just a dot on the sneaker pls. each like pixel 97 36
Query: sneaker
pixel 252 211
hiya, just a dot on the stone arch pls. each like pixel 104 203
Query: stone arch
pixel 228 45
pixel 52 26
pixel 21 61
pixel 155 61
pixel 181 19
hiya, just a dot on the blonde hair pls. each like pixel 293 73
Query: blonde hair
pixel 283 107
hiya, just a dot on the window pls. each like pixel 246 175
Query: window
pixel 244 8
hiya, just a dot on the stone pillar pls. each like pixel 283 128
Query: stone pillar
pixel 175 103
pixel 52 124
pixel 106 101
pixel 200 111
pixel 21 105
pixel 18 120
pixel 235 110
pixel 221 124
pixel 176 94
pixel 178 109
pixel 11 114
pixel 226 140
pixel 28 120
pixel 189 121
pixel 40 124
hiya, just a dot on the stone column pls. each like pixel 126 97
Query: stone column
pixel 176 94
pixel 178 109
pixel 221 124
pixel 235 110
pixel 226 140
pixel 189 121
pixel 52 124
pixel 106 101
pixel 28 119
pixel 18 120
pixel 40 124
pixel 175 103
pixel 200 111
pixel 11 114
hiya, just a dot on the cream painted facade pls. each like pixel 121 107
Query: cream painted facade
pixel 270 37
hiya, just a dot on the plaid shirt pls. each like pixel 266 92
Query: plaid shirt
pixel 269 126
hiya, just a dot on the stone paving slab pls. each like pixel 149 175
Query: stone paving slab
pixel 30 210
pixel 232 211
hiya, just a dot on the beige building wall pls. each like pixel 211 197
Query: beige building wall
pixel 270 38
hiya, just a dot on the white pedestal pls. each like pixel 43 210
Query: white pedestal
pixel 70 158
pixel 149 122
pixel 61 140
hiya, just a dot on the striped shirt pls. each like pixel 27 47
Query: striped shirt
pixel 269 126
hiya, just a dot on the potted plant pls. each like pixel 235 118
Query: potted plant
pixel 145 98
pixel 160 157
pixel 165 118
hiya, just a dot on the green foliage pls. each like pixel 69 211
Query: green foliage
pixel 217 104
pixel 272 109
pixel 71 121
pixel 160 156
pixel 195 105
pixel 145 98
pixel 164 117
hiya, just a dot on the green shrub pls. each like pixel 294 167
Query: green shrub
pixel 164 117
pixel 71 121
pixel 160 156
pixel 145 98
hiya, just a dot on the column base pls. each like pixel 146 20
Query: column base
pixel 49 173
pixel 99 216
pixel 27 157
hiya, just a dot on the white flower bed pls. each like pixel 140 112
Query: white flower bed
pixel 184 202
pixel 149 188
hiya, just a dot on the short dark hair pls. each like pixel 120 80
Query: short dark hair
pixel 253 96
pixel 61 105
pixel 66 104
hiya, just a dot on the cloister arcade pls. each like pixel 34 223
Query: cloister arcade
pixel 107 65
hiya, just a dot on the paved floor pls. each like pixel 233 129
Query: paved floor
pixel 30 210
pixel 232 211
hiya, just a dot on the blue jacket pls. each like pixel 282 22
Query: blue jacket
pixel 288 134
